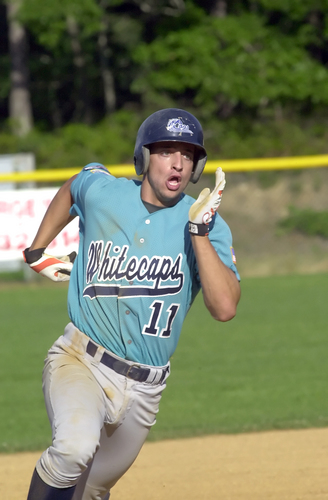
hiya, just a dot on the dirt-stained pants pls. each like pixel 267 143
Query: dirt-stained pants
pixel 100 419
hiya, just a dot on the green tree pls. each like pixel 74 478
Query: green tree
pixel 20 106
pixel 225 63
pixel 249 58
pixel 62 28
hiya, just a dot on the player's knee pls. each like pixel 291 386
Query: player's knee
pixel 68 460
pixel 80 451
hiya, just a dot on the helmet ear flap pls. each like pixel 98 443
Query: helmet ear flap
pixel 146 158
pixel 141 162
pixel 198 170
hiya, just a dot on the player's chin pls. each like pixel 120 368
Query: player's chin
pixel 170 198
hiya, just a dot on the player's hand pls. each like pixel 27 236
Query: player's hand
pixel 54 268
pixel 207 203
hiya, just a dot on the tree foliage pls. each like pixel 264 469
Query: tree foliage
pixel 89 59
pixel 235 61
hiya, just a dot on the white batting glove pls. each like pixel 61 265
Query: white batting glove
pixel 207 203
pixel 56 269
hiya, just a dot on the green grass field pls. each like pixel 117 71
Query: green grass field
pixel 266 369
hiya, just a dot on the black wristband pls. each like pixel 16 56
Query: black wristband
pixel 198 229
pixel 33 255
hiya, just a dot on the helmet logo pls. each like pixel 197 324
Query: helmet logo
pixel 176 125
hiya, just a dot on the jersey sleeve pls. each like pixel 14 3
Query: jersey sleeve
pixel 221 239
pixel 91 174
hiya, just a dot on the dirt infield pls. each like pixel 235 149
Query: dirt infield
pixel 282 465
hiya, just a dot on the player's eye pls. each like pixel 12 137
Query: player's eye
pixel 189 156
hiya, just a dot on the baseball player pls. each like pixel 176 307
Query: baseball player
pixel 145 251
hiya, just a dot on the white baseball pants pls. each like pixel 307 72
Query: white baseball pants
pixel 99 419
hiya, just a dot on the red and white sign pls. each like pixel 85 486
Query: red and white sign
pixel 21 212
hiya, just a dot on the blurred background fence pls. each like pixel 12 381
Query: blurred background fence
pixel 277 209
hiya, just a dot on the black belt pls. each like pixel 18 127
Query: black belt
pixel 134 372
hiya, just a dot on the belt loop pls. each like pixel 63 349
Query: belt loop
pixel 95 352
pixel 91 348
pixel 161 380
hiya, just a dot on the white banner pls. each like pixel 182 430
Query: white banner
pixel 21 212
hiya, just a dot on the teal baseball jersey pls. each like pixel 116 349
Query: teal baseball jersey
pixel 135 276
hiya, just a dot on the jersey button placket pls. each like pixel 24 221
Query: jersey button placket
pixel 142 240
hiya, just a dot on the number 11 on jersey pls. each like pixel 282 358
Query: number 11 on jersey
pixel 157 308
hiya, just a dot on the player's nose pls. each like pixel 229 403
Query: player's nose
pixel 177 161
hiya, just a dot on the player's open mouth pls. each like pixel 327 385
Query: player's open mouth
pixel 173 183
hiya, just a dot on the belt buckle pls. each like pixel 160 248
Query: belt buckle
pixel 129 369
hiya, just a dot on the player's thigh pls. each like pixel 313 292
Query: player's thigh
pixel 119 447
pixel 74 400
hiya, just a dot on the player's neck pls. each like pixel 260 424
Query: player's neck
pixel 150 207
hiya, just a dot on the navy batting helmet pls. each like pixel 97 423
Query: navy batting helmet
pixel 170 124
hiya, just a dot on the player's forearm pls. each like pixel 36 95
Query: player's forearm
pixel 220 286
pixel 56 217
